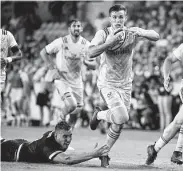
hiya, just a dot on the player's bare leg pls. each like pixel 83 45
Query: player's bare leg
pixel 117 115
pixel 169 132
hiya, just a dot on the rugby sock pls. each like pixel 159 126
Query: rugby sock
pixel 112 136
pixel 105 115
pixel 179 145
pixel 160 144
pixel 169 132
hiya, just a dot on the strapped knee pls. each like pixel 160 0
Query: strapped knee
pixel 119 115
pixel 70 102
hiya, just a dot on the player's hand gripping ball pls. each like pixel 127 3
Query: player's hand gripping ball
pixel 3 63
pixel 121 35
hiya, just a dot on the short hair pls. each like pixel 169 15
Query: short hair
pixel 62 125
pixel 117 8
pixel 73 20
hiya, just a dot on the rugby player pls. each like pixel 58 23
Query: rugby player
pixel 177 124
pixel 71 53
pixel 115 44
pixel 8 42
pixel 50 148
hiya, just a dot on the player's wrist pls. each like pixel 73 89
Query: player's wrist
pixel 140 34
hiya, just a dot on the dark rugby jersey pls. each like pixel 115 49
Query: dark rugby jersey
pixel 41 150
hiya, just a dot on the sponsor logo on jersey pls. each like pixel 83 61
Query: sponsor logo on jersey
pixel 109 95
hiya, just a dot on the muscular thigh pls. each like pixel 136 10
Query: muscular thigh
pixel 62 87
pixel 126 97
pixel 111 97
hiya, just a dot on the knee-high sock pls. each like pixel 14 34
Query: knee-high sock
pixel 169 132
pixel 179 145
pixel 112 136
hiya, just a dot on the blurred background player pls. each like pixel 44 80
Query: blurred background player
pixel 50 148
pixel 8 43
pixel 115 78
pixel 41 90
pixel 71 53
pixel 177 124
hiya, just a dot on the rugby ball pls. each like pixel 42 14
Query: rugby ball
pixel 118 44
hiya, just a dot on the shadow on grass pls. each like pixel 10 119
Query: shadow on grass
pixel 122 166
pixel 50 166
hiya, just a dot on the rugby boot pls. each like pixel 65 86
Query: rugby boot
pixel 94 121
pixel 177 157
pixel 152 154
pixel 104 161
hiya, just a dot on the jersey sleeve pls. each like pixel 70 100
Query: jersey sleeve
pixel 178 52
pixel 51 152
pixel 54 46
pixel 99 38
pixel 51 148
pixel 11 40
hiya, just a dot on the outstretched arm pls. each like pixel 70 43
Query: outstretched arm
pixel 70 159
pixel 148 34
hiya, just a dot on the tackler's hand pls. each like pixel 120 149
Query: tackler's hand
pixel 99 151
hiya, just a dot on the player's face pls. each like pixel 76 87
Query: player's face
pixel 118 19
pixel 64 138
pixel 76 28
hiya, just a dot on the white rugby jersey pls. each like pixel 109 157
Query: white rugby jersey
pixel 7 41
pixel 116 65
pixel 69 58
pixel 178 52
